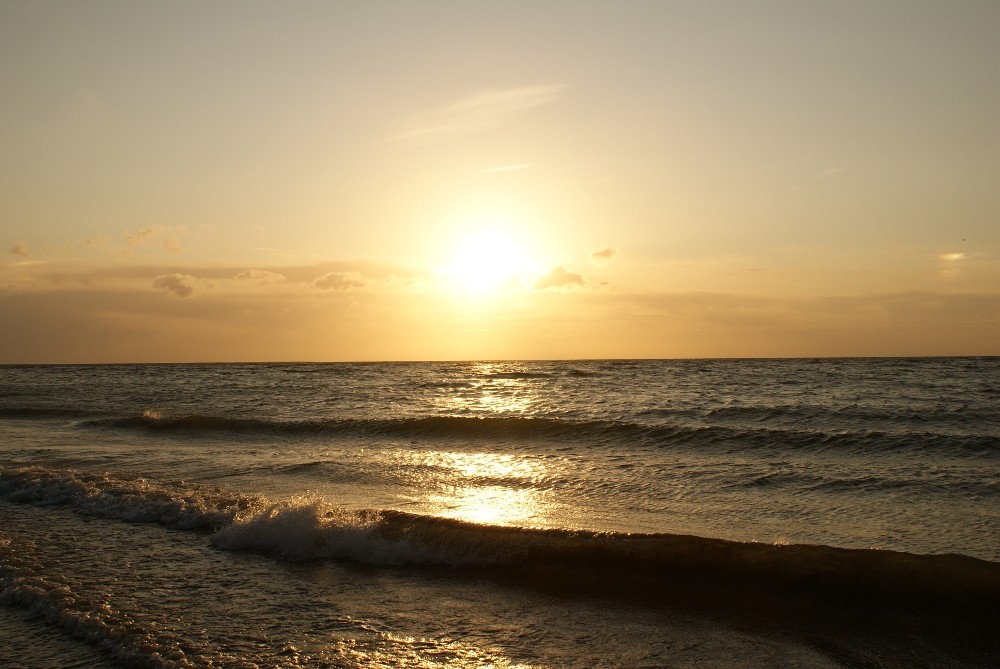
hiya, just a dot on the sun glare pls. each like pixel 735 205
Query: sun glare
pixel 489 260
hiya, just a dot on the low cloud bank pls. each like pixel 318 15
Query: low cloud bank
pixel 112 324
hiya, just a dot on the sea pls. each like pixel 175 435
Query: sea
pixel 587 513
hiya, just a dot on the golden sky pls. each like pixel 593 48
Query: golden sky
pixel 191 181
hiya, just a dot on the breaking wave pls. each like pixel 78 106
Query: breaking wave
pixel 658 568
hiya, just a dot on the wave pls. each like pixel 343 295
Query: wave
pixel 448 385
pixel 596 431
pixel 125 641
pixel 515 376
pixel 662 569
pixel 444 426
pixel 32 412
pixel 133 500
pixel 741 428
pixel 958 417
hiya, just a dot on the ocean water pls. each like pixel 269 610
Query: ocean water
pixel 701 513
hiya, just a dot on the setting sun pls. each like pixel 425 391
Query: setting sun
pixel 489 260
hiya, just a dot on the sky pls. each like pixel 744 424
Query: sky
pixel 439 180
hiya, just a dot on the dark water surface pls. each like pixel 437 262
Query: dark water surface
pixel 508 514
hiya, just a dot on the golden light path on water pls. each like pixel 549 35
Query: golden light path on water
pixel 498 392
pixel 470 492
pixel 475 496
pixel 473 488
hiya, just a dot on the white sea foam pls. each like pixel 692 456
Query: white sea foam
pixel 136 500
pixel 310 528
pixel 44 597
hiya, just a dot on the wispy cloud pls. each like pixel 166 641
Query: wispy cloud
pixel 168 238
pixel 474 113
pixel 952 264
pixel 170 243
pixel 19 248
pixel 133 239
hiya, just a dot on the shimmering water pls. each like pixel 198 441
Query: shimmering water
pixel 586 513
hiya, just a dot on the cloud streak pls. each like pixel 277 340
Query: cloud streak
pixel 474 113
pixel 952 264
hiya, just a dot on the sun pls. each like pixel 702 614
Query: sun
pixel 487 260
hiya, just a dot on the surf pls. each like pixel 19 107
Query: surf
pixel 671 566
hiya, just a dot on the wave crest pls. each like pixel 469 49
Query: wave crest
pixel 653 567
pixel 597 431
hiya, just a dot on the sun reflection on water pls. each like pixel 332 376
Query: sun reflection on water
pixel 488 488
pixel 486 465
pixel 488 505
pixel 485 487
pixel 494 389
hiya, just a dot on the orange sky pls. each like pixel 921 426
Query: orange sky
pixel 447 180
